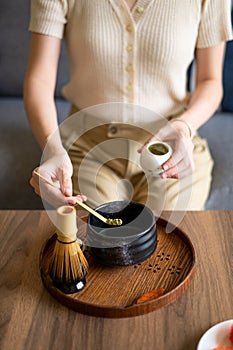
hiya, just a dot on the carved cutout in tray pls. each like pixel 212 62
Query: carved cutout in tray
pixel 112 291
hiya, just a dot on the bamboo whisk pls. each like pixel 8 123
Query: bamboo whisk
pixel 68 265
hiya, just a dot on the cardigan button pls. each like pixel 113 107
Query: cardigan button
pixel 129 47
pixel 130 87
pixel 112 130
pixel 129 68
pixel 140 9
pixel 129 28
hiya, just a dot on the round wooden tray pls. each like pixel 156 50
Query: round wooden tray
pixel 112 291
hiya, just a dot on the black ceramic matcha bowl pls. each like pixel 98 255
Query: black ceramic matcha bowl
pixel 132 242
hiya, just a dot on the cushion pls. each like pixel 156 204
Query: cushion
pixel 218 131
pixel 14 46
pixel 227 102
pixel 19 155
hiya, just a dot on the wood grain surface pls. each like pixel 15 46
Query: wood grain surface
pixel 31 319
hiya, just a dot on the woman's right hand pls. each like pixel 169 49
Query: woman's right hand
pixel 57 169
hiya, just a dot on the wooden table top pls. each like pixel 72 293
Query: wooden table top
pixel 31 319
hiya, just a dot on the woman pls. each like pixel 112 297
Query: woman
pixel 133 52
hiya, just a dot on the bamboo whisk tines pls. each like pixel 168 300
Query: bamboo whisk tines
pixel 68 265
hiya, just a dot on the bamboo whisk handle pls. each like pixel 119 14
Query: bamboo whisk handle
pixel 66 224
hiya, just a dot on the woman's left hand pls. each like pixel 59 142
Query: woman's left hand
pixel 181 162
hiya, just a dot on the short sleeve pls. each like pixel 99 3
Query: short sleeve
pixel 48 17
pixel 215 24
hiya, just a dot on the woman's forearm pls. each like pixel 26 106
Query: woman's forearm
pixel 39 86
pixel 209 91
pixel 203 103
pixel 40 109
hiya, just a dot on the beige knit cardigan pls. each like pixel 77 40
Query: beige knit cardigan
pixel 139 56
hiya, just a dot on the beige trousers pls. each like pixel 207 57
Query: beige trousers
pixel 107 167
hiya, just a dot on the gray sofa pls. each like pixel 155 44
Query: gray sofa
pixel 19 152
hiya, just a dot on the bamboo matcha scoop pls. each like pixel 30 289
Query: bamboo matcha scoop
pixel 113 222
